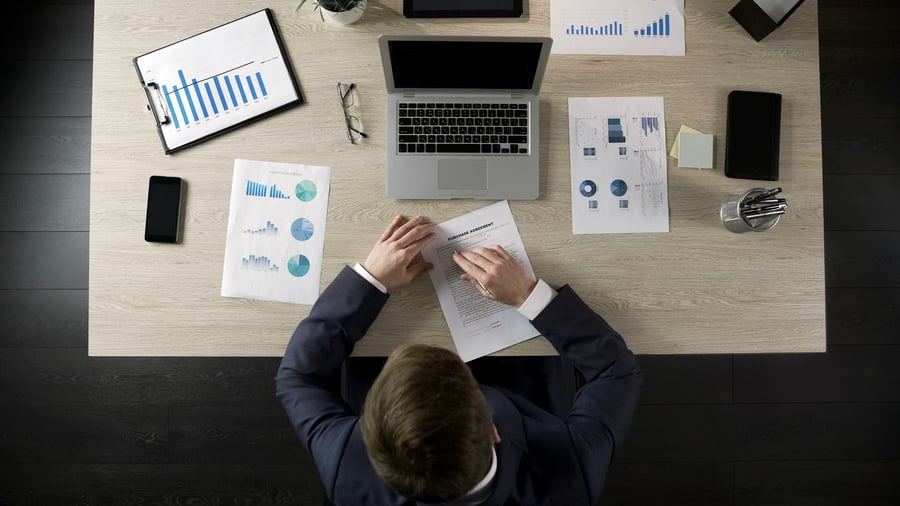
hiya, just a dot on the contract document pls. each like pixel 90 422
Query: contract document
pixel 479 326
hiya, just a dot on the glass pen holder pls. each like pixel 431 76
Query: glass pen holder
pixel 734 214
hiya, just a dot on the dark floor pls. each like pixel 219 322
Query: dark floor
pixel 788 429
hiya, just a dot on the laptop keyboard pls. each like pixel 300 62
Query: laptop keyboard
pixel 428 127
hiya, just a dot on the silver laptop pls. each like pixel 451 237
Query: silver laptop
pixel 463 116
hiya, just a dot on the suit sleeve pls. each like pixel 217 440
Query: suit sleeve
pixel 604 406
pixel 308 381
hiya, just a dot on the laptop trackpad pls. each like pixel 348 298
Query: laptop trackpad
pixel 463 177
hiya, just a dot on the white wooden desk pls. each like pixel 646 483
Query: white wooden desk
pixel 697 289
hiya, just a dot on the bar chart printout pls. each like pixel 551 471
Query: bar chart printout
pixel 261 262
pixel 659 28
pixel 612 27
pixel 211 82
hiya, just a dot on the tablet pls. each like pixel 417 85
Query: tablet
pixel 462 8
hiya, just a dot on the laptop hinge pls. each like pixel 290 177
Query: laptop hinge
pixel 409 94
pixel 516 95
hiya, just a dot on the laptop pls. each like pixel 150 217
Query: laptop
pixel 463 116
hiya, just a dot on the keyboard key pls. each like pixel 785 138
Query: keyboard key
pixel 523 151
pixel 403 105
pixel 504 106
pixel 405 130
pixel 521 113
pixel 429 148
pixel 504 150
pixel 520 131
pixel 458 148
pixel 476 106
pixel 402 148
pixel 420 148
pixel 495 148
pixel 405 121
pixel 523 106
pixel 513 148
pixel 495 106
pixel 485 148
pixel 409 138
pixel 518 139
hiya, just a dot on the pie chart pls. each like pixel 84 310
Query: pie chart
pixel 588 188
pixel 302 229
pixel 306 190
pixel 618 187
pixel 298 265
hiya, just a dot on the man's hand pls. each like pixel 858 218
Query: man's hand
pixel 496 274
pixel 396 259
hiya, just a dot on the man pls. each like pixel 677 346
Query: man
pixel 428 431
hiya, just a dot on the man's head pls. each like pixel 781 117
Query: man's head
pixel 426 425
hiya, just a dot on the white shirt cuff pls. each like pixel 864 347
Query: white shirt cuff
pixel 537 300
pixel 368 277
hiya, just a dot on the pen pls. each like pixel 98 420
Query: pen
pixel 480 284
pixel 764 195
pixel 760 215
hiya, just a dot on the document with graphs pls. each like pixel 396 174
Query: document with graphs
pixel 617 153
pixel 276 231
pixel 613 27
pixel 479 326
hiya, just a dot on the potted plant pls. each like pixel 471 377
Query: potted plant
pixel 343 12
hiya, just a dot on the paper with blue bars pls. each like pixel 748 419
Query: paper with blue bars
pixel 276 231
pixel 216 80
pixel 635 27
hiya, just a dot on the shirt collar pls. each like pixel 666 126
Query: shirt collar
pixel 483 489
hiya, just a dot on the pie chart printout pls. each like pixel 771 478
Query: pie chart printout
pixel 298 266
pixel 306 190
pixel 302 229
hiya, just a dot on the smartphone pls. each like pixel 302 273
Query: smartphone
pixel 753 135
pixel 165 201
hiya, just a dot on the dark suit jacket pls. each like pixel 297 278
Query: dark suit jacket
pixel 542 459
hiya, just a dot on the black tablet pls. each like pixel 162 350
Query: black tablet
pixel 462 8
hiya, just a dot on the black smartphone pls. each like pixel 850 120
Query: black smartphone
pixel 753 135
pixel 165 200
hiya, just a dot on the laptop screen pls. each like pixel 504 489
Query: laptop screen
pixel 464 64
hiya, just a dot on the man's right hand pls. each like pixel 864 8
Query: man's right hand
pixel 396 259
pixel 502 276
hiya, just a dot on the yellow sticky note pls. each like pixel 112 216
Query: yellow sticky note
pixel 676 146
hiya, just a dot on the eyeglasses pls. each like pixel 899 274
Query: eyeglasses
pixel 354 128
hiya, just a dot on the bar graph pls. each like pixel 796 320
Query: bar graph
pixel 255 189
pixel 258 263
pixel 615 133
pixel 649 125
pixel 269 230
pixel 193 100
pixel 614 29
pixel 657 28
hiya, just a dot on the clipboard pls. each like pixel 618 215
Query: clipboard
pixel 217 80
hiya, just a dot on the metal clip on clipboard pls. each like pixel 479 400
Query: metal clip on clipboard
pixel 156 107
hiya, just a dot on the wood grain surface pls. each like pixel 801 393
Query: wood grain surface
pixel 696 289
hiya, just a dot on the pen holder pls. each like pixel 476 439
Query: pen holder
pixel 737 222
